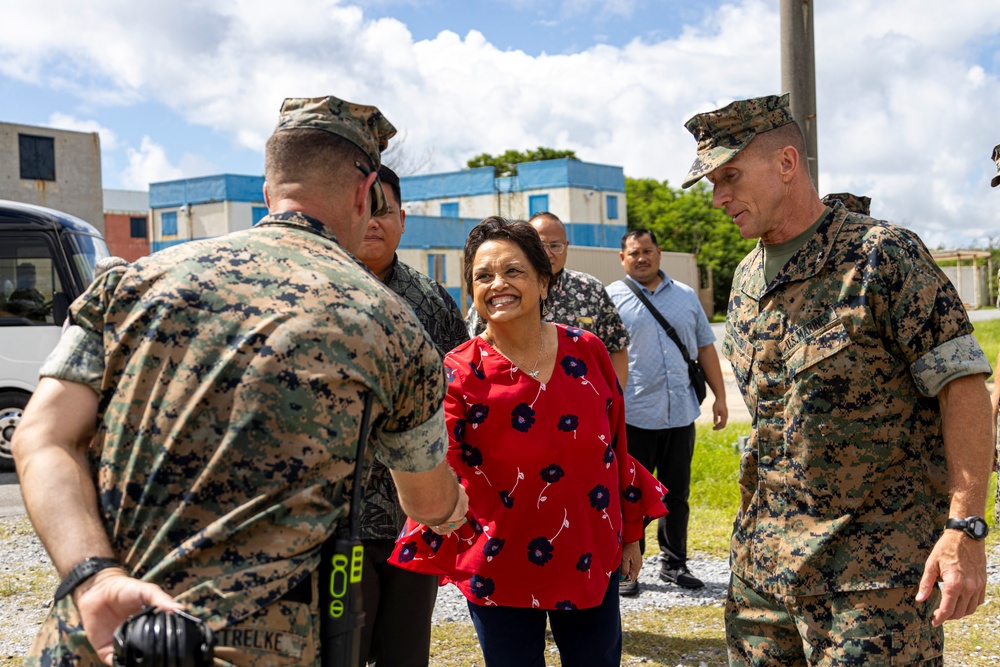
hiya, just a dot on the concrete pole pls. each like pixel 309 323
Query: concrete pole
pixel 798 72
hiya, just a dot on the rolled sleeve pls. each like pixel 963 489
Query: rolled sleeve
pixel 78 357
pixel 418 449
pixel 953 359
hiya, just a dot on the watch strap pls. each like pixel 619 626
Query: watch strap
pixel 967 526
pixel 82 571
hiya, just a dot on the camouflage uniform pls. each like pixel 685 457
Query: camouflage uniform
pixel 843 483
pixel 852 203
pixel 383 518
pixel 231 374
pixel 577 299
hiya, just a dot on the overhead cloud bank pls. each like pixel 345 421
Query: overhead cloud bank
pixel 907 90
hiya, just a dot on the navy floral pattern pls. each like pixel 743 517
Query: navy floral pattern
pixel 551 473
pixel 482 587
pixel 600 497
pixel 432 539
pixel 564 447
pixel 540 551
pixel 492 547
pixel 609 455
pixel 632 494
pixel 506 499
pixel 573 367
pixel 407 552
pixel 522 417
pixel 471 456
pixel 568 423
pixel 477 414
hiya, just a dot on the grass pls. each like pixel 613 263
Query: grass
pixel 988 334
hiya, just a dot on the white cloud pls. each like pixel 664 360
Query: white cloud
pixel 61 121
pixel 906 100
pixel 148 164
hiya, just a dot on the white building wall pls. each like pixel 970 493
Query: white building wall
pixel 240 215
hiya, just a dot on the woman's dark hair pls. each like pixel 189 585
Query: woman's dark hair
pixel 519 232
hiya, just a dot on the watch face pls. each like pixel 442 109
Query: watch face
pixel 978 527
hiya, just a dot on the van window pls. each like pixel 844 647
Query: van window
pixel 28 281
pixel 85 251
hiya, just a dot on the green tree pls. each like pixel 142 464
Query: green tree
pixel 506 164
pixel 686 221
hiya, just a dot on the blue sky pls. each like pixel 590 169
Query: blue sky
pixel 907 90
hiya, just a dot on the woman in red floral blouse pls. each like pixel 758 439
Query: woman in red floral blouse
pixel 537 436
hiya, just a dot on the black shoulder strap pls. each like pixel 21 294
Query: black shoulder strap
pixel 659 318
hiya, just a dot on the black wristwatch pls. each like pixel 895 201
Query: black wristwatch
pixel 973 526
pixel 82 571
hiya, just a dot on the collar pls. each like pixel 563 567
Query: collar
pixel 298 220
pixel 392 269
pixel 804 264
pixel 665 281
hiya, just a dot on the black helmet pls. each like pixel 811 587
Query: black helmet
pixel 156 638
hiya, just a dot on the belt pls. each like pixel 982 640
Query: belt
pixel 301 592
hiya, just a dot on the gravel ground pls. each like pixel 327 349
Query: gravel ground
pixel 21 613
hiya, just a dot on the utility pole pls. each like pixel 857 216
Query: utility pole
pixel 798 72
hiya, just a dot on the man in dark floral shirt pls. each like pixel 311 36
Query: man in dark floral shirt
pixel 397 603
pixel 575 298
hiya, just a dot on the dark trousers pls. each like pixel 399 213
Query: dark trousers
pixel 515 636
pixel 398 606
pixel 667 453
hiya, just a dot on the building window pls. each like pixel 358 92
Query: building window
pixel 138 227
pixel 168 223
pixel 257 213
pixel 449 210
pixel 38 157
pixel 612 207
pixel 537 204
pixel 435 268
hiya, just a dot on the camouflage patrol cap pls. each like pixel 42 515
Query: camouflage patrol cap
pixel 723 133
pixel 996 158
pixel 364 126
pixel 852 203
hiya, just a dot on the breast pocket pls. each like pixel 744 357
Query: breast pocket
pixel 740 353
pixel 827 375
pixel 814 348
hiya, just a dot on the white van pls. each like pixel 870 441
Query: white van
pixel 47 259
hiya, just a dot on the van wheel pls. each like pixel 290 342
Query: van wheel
pixel 11 408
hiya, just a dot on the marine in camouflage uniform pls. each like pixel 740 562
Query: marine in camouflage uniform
pixel 842 357
pixel 575 298
pixel 398 604
pixel 231 374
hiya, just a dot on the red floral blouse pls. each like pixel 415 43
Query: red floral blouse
pixel 552 490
